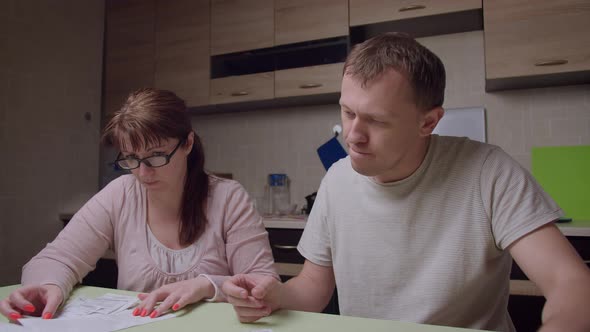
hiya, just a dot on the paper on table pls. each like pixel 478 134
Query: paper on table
pixel 4 327
pixel 109 312
pixel 91 323
pixel 106 304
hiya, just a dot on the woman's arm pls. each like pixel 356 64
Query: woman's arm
pixel 77 248
pixel 247 247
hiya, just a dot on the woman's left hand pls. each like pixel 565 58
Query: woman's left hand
pixel 175 296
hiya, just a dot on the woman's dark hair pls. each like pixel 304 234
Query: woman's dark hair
pixel 149 116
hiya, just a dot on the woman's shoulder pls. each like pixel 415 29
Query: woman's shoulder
pixel 222 186
pixel 123 186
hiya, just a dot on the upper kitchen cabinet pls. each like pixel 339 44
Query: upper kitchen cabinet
pixel 418 18
pixel 240 25
pixel 531 43
pixel 182 49
pixel 303 20
pixel 308 80
pixel 129 50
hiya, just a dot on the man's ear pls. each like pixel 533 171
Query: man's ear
pixel 430 119
pixel 190 140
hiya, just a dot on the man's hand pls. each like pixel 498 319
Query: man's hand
pixel 176 296
pixel 253 296
pixel 36 300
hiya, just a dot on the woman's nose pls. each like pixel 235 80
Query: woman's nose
pixel 144 169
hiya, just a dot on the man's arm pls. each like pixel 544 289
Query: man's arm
pixel 548 259
pixel 255 296
pixel 311 290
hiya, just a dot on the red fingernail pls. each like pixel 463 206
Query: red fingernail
pixel 47 315
pixel 143 313
pixel 154 314
pixel 135 312
pixel 29 308
pixel 14 315
pixel 176 307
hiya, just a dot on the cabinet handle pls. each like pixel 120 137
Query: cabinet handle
pixel 551 63
pixel 239 93
pixel 280 246
pixel 310 85
pixel 411 7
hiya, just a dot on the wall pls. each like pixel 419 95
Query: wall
pixel 49 78
pixel 253 144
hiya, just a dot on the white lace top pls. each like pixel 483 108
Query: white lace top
pixel 171 260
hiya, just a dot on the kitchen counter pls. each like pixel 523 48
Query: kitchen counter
pixel 287 222
pixel 575 228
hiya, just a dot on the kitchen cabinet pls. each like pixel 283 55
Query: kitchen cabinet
pixel 308 80
pixel 241 88
pixel 240 25
pixel 129 50
pixel 304 20
pixel 182 49
pixel 531 43
pixel 374 11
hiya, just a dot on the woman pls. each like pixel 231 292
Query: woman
pixel 177 232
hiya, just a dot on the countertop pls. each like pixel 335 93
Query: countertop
pixel 207 316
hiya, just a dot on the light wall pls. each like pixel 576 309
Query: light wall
pixel 50 76
pixel 253 144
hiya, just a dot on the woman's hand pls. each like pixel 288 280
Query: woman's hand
pixel 35 300
pixel 175 296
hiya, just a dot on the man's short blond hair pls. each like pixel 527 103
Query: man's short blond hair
pixel 422 68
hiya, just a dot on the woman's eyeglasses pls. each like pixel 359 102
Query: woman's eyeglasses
pixel 152 161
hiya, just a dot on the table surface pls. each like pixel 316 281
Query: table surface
pixel 221 317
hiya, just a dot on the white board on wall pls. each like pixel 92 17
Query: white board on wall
pixel 463 122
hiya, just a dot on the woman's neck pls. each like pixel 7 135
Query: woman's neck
pixel 164 206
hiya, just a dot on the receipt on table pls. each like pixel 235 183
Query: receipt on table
pixel 106 304
pixel 109 312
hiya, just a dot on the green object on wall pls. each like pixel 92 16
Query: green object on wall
pixel 564 173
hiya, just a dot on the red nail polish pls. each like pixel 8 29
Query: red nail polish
pixel 176 307
pixel 29 308
pixel 14 315
pixel 135 312
pixel 143 313
pixel 47 315
pixel 154 314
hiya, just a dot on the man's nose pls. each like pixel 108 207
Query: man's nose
pixel 356 132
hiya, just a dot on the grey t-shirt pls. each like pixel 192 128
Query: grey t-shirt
pixel 430 248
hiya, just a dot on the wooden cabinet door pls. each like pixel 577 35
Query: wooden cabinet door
pixel 129 49
pixel 182 49
pixel 234 89
pixel 240 25
pixel 308 80
pixel 303 20
pixel 374 11
pixel 530 37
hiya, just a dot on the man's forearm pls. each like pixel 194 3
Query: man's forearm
pixel 567 309
pixel 311 290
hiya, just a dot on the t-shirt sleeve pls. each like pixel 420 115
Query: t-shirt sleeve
pixel 246 241
pixel 77 248
pixel 515 203
pixel 315 243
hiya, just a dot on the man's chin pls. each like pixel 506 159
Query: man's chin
pixel 361 169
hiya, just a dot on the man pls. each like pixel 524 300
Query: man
pixel 416 227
